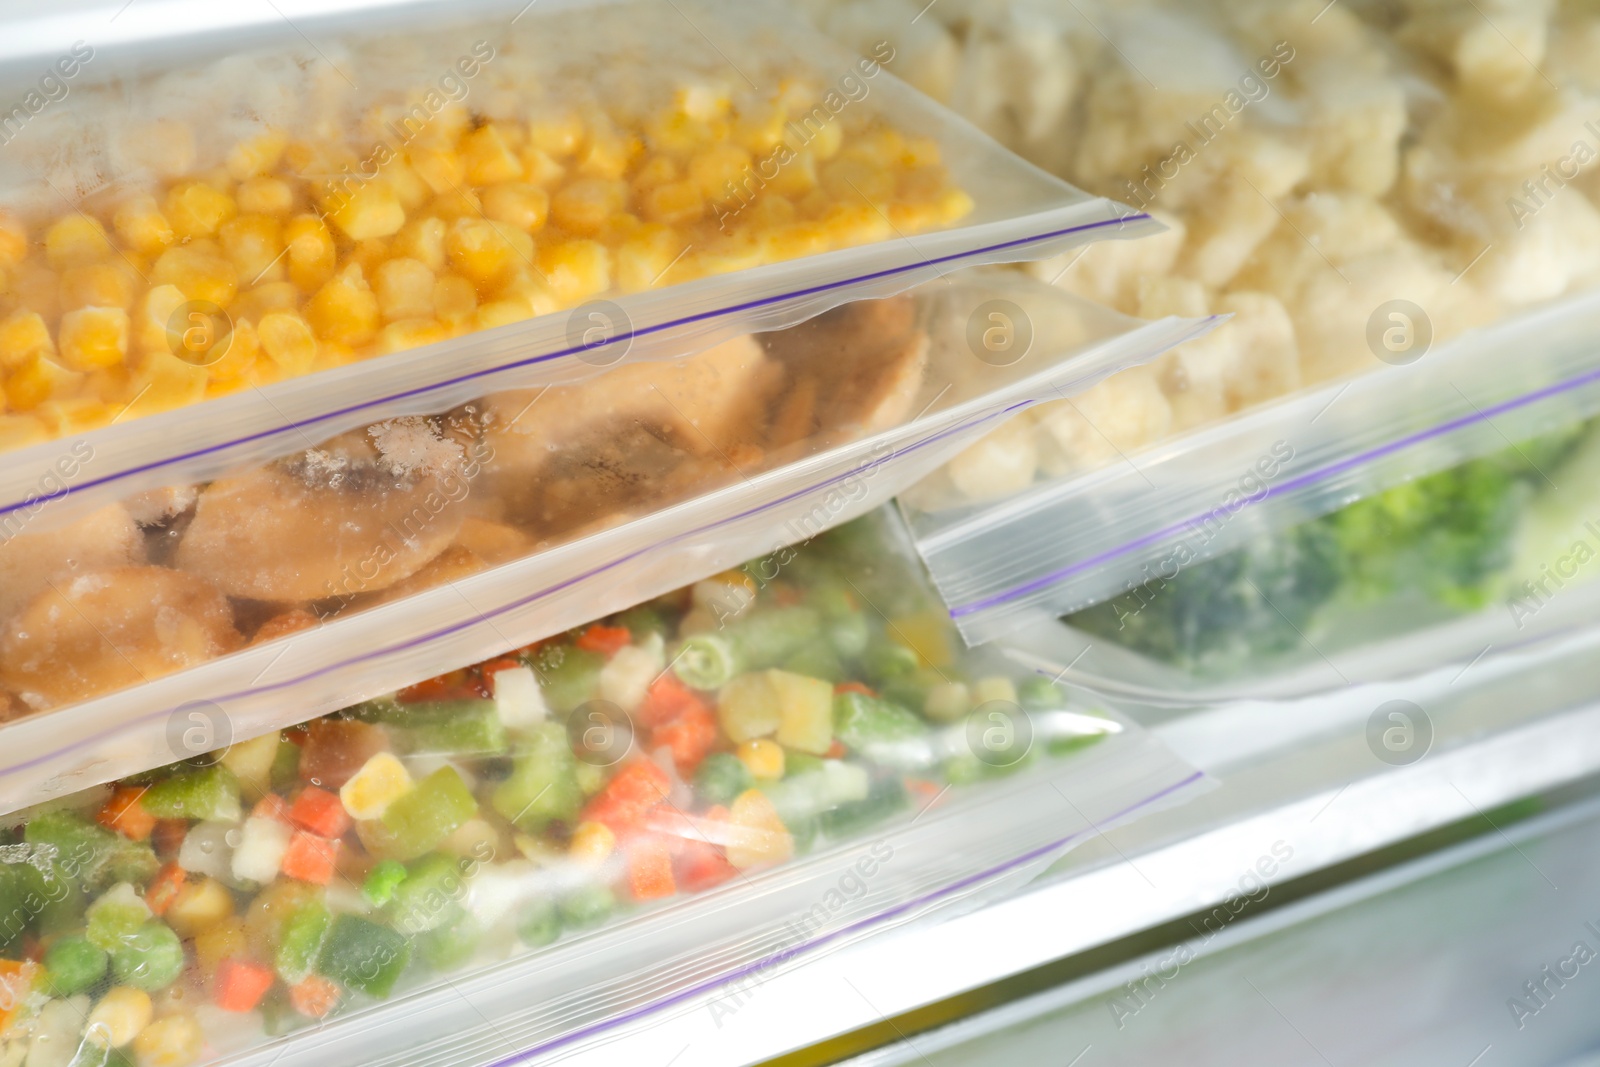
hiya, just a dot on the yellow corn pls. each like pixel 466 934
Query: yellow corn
pixel 219 941
pixel 405 289
pixel 763 758
pixel 345 309
pixel 422 240
pixel 490 154
pixel 38 380
pixel 380 782
pixel 23 337
pixel 264 298
pixel 576 270
pixel 674 203
pixel 585 205
pixel 560 136
pixel 20 431
pixel 312 257
pixel 172 1041
pixel 518 204
pixel 94 337
pixel 198 905
pixel 410 333
pixel 454 298
pixel 13 240
pixel 153 327
pixel 257 155
pixel 109 284
pixel 287 340
pixel 265 196
pixel 610 152
pixel 165 382
pixel 592 843
pixel 486 251
pixel 439 168
pixel 538 168
pixel 255 245
pixel 141 225
pixel 717 169
pixel 371 209
pixel 118 1018
pixel 199 271
pixel 196 209
pixel 73 415
pixel 75 240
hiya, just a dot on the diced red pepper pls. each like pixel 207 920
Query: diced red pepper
pixel 854 687
pixel 168 836
pixel 241 984
pixel 650 868
pixel 702 865
pixel 689 737
pixel 271 806
pixel 310 858
pixel 319 811
pixel 336 749
pixel 923 788
pixel 297 735
pixel 665 700
pixel 314 997
pixel 629 797
pixel 163 888
pixel 786 596
pixel 124 814
pixel 452 686
pixel 836 750
pixel 17 979
pixel 608 640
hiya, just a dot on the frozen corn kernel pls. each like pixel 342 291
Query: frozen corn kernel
pixel 165 382
pixel 75 240
pixel 423 240
pixel 487 251
pixel 609 153
pixel 454 298
pixel 490 154
pixel 439 168
pixel 23 337
pixel 518 204
pixel 118 1018
pixel 345 309
pixel 718 170
pixel 200 904
pixel 643 259
pixel 762 757
pixel 257 155
pixel 592 844
pixel 408 186
pixel 405 289
pixel 559 136
pixel 38 380
pixel 196 209
pixel 173 1041
pixel 524 288
pixel 585 205
pixel 410 333
pixel 153 323
pixel 674 204
pixel 255 245
pixel 501 313
pixel 141 225
pixel 199 270
pixel 576 270
pixel 460 204
pixel 369 210
pixel 94 337
pixel 265 196
pixel 20 431
pixel 263 299
pixel 538 168
pixel 109 284
pixel 73 415
pixel 312 256
pixel 381 781
pixel 13 240
pixel 287 340
pixel 655 172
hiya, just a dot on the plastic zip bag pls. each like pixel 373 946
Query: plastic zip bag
pixel 506 212
pixel 353 574
pixel 641 815
pixel 1332 525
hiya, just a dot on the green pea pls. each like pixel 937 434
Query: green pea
pixel 150 958
pixel 73 964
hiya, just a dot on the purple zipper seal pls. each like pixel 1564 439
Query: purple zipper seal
pixel 808 947
pixel 423 390
pixel 1309 478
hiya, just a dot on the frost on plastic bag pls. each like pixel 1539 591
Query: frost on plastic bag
pixel 383 555
pixel 1315 167
pixel 711 755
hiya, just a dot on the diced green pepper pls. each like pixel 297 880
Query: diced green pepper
pixel 543 785
pixel 911 690
pixel 568 675
pixel 642 621
pixel 150 958
pixel 300 940
pixel 447 727
pixel 815 659
pixel 705 661
pixel 209 793
pixel 90 855
pixel 721 777
pixel 286 767
pixel 363 955
pixel 886 796
pixel 380 882
pixel 74 964
pixel 431 811
pixel 540 922
pixel 430 896
pixel 766 637
pixel 861 720
pixel 448 947
pixel 885 660
pixel 586 906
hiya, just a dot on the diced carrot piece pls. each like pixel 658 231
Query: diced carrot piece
pixel 297 735
pixel 854 687
pixel 163 888
pixel 314 997
pixel 629 797
pixel 786 596
pixel 650 868
pixel 271 806
pixel 689 737
pixel 168 836
pixel 443 687
pixel 241 984
pixel 17 979
pixel 608 640
pixel 665 700
pixel 836 750
pixel 319 811
pixel 124 814
pixel 310 858
pixel 702 865
pixel 336 748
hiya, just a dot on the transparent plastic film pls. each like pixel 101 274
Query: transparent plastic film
pixel 213 257
pixel 645 814
pixel 1433 512
pixel 283 590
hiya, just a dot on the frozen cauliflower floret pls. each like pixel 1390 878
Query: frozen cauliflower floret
pixel 1492 47
pixel 1108 272
pixel 1226 234
pixel 1267 359
pixel 1320 231
pixel 1017 82
pixel 1331 312
pixel 1553 251
pixel 1355 124
pixel 1574 42
pixel 1122 413
pixel 924 52
pixel 1002 463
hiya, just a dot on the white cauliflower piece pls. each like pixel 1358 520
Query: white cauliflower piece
pixel 1226 233
pixel 1125 412
pixel 1574 42
pixel 1108 272
pixel 1319 231
pixel 1355 124
pixel 1000 464
pixel 1554 251
pixel 926 55
pixel 1267 357
pixel 1492 47
pixel 1017 82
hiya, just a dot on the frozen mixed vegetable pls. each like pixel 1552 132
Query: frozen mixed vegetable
pixel 678 746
